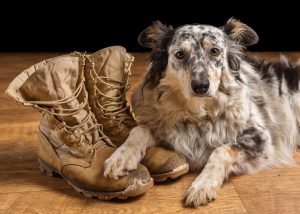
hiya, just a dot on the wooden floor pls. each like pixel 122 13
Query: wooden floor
pixel 23 189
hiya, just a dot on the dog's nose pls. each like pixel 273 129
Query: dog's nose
pixel 200 86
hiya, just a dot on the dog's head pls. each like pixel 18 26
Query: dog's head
pixel 199 59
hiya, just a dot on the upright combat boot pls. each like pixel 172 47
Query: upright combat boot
pixel 71 141
pixel 107 75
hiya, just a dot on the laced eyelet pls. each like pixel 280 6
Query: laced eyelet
pixel 60 125
pixel 72 137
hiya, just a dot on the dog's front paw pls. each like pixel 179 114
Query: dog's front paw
pixel 200 194
pixel 120 163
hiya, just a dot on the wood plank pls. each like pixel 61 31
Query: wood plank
pixel 272 191
pixel 163 198
pixel 25 190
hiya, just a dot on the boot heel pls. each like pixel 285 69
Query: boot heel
pixel 46 169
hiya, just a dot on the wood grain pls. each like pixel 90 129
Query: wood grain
pixel 25 190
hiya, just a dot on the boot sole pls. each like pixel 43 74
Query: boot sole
pixel 135 189
pixel 177 172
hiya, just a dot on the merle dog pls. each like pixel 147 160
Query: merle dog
pixel 203 97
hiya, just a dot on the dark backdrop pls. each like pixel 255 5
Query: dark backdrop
pixel 87 26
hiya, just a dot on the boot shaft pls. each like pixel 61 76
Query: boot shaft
pixel 107 73
pixel 57 88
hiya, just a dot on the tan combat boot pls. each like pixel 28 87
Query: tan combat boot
pixel 71 141
pixel 107 73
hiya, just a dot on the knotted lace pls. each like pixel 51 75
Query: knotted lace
pixel 115 107
pixel 53 108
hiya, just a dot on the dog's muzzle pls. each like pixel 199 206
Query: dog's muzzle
pixel 200 86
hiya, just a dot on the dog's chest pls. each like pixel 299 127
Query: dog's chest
pixel 196 127
pixel 196 138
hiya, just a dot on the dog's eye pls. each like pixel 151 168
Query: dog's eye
pixel 179 55
pixel 214 52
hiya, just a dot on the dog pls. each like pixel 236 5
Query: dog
pixel 202 96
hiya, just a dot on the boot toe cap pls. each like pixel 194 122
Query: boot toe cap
pixel 163 163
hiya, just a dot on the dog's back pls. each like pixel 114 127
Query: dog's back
pixel 274 88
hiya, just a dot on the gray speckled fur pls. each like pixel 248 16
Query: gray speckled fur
pixel 246 121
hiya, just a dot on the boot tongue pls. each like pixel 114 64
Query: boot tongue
pixel 56 83
pixel 112 65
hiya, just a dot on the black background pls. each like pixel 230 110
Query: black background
pixel 89 26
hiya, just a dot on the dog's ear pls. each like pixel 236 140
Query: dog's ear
pixel 152 36
pixel 240 32
pixel 234 62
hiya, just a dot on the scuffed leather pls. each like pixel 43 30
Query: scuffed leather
pixel 114 63
pixel 70 140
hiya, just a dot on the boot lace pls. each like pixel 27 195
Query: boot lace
pixel 53 108
pixel 116 107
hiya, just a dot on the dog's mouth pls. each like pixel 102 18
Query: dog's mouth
pixel 200 95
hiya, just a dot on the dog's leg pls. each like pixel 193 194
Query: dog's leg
pixel 251 152
pixel 130 153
